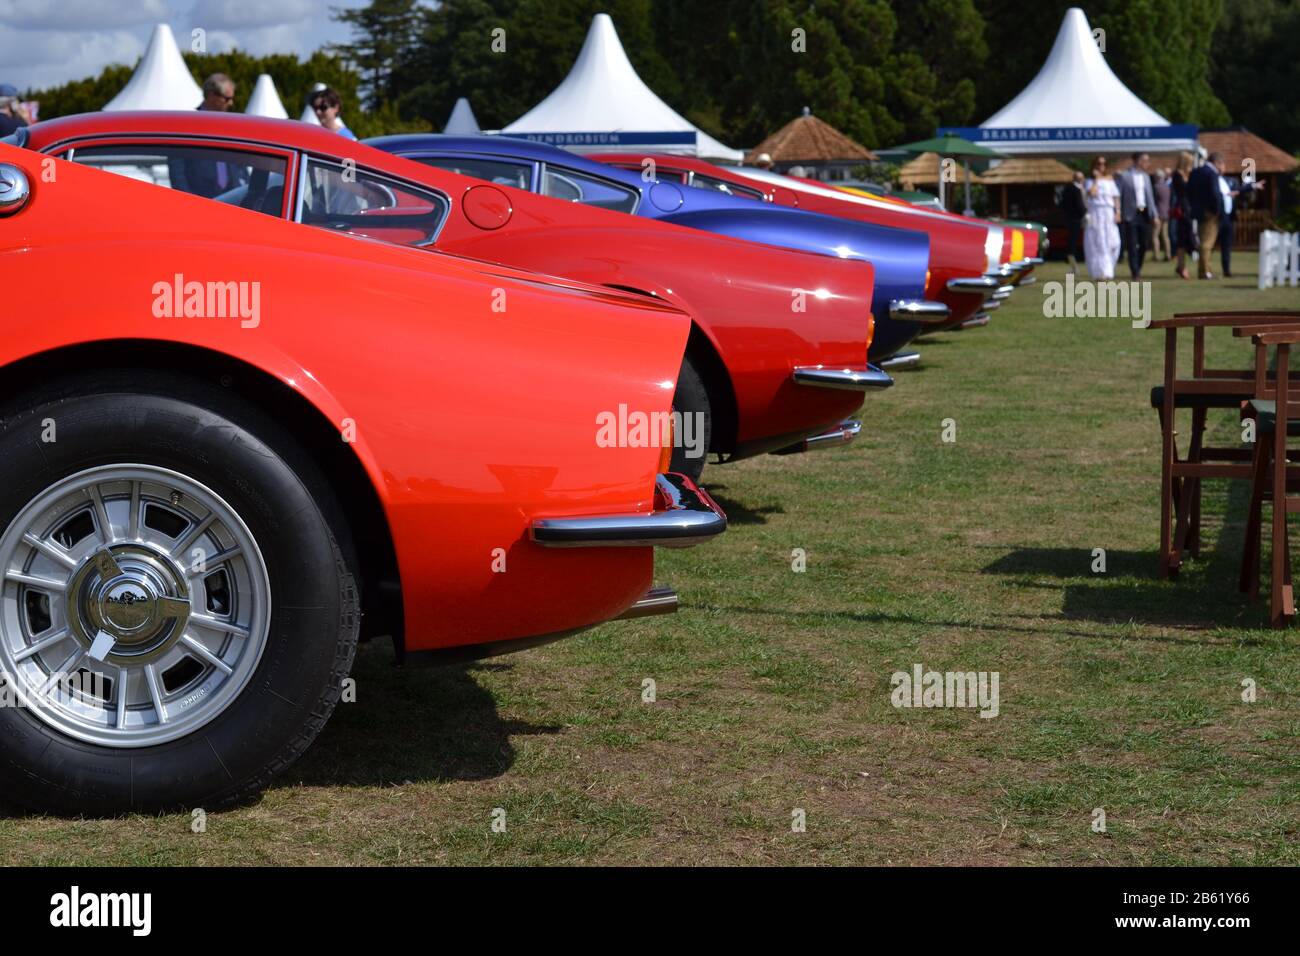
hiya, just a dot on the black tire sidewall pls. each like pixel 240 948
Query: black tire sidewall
pixel 294 685
pixel 691 397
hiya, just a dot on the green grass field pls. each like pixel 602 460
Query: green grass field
pixel 1117 690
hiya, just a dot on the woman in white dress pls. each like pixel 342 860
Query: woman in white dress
pixel 1101 235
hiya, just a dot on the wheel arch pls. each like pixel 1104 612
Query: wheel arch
pixel 338 461
pixel 704 353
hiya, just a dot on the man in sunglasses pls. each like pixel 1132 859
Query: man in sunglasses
pixel 207 177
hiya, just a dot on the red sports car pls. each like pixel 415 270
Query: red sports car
pixel 227 442
pixel 958 256
pixel 777 354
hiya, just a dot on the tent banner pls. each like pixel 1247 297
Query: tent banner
pixel 1046 135
pixel 612 138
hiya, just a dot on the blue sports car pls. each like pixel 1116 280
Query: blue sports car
pixel 900 256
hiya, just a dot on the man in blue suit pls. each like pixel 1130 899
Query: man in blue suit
pixel 1206 200
pixel 1137 203
pixel 1234 191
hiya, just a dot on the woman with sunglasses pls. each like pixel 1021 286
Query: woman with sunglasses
pixel 326 104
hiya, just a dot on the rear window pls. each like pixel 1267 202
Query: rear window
pixel 701 181
pixel 352 200
pixel 573 186
pixel 499 171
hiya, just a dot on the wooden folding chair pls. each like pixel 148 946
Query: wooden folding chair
pixel 1277 417
pixel 1207 388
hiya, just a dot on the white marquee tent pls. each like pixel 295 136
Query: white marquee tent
pixel 602 103
pixel 462 121
pixel 265 101
pixel 161 81
pixel 1076 104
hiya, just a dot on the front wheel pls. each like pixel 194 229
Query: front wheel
pixel 176 615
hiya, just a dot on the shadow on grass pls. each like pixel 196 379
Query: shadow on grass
pixel 416 723
pixel 738 513
pixel 1203 594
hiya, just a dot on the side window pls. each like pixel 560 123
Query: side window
pixel 355 201
pixel 701 181
pixel 588 190
pixel 248 180
pixel 499 171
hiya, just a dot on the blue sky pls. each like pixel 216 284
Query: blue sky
pixel 46 42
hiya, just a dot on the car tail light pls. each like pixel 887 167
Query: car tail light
pixel 666 449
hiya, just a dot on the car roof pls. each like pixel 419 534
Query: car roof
pixel 525 149
pixel 239 125
pixel 670 160
pixel 290 134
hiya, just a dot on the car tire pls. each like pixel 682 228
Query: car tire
pixel 691 399
pixel 167 450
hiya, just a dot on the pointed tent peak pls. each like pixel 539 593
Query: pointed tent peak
pixel 604 103
pixel 462 121
pixel 161 80
pixel 309 114
pixel 265 101
pixel 806 140
pixel 1075 88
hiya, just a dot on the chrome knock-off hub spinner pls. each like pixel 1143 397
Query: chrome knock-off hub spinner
pixel 128 603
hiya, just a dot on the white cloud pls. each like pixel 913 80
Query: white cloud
pixel 86 14
pixel 44 43
pixel 40 58
pixel 233 15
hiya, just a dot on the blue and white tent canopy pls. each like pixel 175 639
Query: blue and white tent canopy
pixel 1076 104
pixel 603 105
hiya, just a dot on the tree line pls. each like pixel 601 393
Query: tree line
pixel 882 71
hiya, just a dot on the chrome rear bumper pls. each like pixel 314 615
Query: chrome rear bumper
pixel 975 321
pixel 655 601
pixel 858 379
pixel 687 516
pixel 991 305
pixel 841 434
pixel 980 284
pixel 902 360
pixel 918 310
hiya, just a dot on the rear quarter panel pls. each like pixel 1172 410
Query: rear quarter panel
pixel 469 421
pixel 765 309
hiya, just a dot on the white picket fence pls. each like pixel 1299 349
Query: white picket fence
pixel 1279 258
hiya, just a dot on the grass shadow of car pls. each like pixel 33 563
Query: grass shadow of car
pixel 434 723
pixel 738 513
